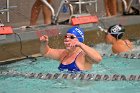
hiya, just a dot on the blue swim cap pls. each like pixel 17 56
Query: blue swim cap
pixel 78 32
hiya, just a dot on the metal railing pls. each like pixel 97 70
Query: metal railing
pixel 70 3
pixel 127 6
pixel 6 9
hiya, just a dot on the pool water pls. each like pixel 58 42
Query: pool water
pixel 109 65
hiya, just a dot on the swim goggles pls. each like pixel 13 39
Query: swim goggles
pixel 71 37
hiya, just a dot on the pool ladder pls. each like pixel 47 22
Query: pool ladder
pixel 6 9
pixel 128 6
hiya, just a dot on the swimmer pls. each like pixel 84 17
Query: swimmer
pixel 114 35
pixel 77 56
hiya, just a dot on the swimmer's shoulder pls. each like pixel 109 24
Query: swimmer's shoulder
pixel 123 42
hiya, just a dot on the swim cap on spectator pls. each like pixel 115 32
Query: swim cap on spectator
pixel 78 32
pixel 116 31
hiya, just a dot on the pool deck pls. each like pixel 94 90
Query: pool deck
pixel 27 41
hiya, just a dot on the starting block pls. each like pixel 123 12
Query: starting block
pixel 6 30
pixel 84 20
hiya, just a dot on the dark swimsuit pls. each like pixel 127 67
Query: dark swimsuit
pixel 69 67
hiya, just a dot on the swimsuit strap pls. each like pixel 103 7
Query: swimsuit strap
pixel 63 59
pixel 126 43
pixel 75 57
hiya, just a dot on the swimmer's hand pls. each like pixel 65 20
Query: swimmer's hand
pixel 44 38
pixel 72 43
pixel 44 48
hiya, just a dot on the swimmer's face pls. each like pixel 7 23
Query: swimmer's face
pixel 68 39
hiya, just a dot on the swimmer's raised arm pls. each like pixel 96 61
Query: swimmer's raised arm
pixel 49 52
pixel 44 48
pixel 91 53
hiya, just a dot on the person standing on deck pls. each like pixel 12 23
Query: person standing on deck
pixel 36 8
pixel 110 7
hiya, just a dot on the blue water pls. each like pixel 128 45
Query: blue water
pixel 109 65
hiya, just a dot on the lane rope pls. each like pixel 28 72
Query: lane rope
pixel 124 55
pixel 73 76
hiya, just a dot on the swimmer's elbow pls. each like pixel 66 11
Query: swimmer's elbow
pixel 94 60
pixel 42 52
pixel 45 53
pixel 99 59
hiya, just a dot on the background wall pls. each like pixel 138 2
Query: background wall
pixel 20 15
